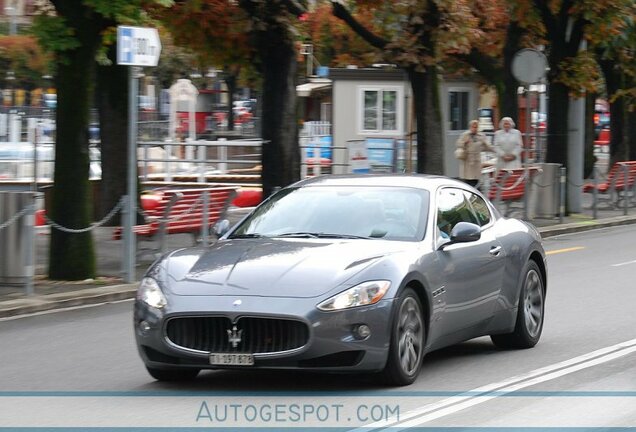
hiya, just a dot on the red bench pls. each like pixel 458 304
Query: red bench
pixel 172 211
pixel 509 186
pixel 615 184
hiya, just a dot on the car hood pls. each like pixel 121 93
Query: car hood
pixel 272 267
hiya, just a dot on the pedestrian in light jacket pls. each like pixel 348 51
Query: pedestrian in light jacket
pixel 508 145
pixel 468 151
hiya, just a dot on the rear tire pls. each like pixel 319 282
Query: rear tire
pixel 530 312
pixel 407 341
pixel 172 374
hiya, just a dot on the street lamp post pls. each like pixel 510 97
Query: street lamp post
pixel 11 11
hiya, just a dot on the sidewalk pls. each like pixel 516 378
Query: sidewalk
pixel 109 286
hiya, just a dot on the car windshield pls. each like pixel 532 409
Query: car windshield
pixel 390 213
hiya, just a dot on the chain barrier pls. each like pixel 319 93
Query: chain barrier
pixel 17 216
pixel 513 186
pixel 92 226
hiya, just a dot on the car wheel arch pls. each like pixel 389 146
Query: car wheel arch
pixel 538 259
pixel 425 301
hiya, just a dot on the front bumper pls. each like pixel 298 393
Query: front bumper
pixel 332 345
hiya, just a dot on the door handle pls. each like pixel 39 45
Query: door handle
pixel 495 250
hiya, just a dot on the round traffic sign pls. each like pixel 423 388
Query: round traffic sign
pixel 529 66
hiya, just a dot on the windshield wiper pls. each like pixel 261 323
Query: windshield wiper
pixel 303 234
pixel 345 236
pixel 300 234
pixel 251 235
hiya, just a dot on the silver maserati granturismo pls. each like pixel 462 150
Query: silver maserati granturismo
pixel 359 273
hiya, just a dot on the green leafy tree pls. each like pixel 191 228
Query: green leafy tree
pixel 73 31
pixel 615 53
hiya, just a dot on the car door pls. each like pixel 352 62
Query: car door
pixel 472 272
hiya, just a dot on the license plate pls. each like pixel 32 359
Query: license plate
pixel 224 359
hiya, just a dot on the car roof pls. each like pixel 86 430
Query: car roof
pixel 420 181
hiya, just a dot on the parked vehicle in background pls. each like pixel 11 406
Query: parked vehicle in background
pixel 50 100
pixel 486 120
pixel 16 161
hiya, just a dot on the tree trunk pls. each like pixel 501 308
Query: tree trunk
pixel 631 134
pixel 230 82
pixel 558 110
pixel 509 103
pixel 614 82
pixel 430 147
pixel 508 97
pixel 112 103
pixel 589 159
pixel 280 152
pixel 71 256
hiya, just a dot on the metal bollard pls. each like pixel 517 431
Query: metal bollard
pixel 526 191
pixel 29 251
pixel 595 193
pixel 625 190
pixel 205 228
pixel 562 173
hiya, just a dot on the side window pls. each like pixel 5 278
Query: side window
pixel 453 207
pixel 458 110
pixel 480 207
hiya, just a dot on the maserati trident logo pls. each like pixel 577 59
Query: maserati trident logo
pixel 234 336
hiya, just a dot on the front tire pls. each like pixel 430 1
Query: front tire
pixel 407 341
pixel 530 312
pixel 172 374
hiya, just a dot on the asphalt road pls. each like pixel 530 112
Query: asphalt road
pixel 80 367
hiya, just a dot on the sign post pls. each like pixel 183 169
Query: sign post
pixel 528 66
pixel 136 46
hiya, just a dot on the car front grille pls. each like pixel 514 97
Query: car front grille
pixel 247 335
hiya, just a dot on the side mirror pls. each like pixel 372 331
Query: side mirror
pixel 463 232
pixel 221 227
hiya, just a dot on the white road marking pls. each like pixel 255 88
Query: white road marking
pixel 454 404
pixel 625 263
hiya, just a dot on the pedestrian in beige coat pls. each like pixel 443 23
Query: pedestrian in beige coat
pixel 469 147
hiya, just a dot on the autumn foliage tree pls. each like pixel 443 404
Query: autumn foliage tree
pixel 566 25
pixel 73 30
pixel 214 30
pixel 417 38
pixel 334 44
pixel 272 35
pixel 23 56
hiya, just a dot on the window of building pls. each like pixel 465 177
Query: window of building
pixel 458 110
pixel 380 110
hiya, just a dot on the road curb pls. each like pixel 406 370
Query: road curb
pixel 62 300
pixel 587 225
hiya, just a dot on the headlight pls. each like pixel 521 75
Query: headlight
pixel 150 293
pixel 366 293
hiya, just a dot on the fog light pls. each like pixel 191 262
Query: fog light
pixel 144 327
pixel 362 331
